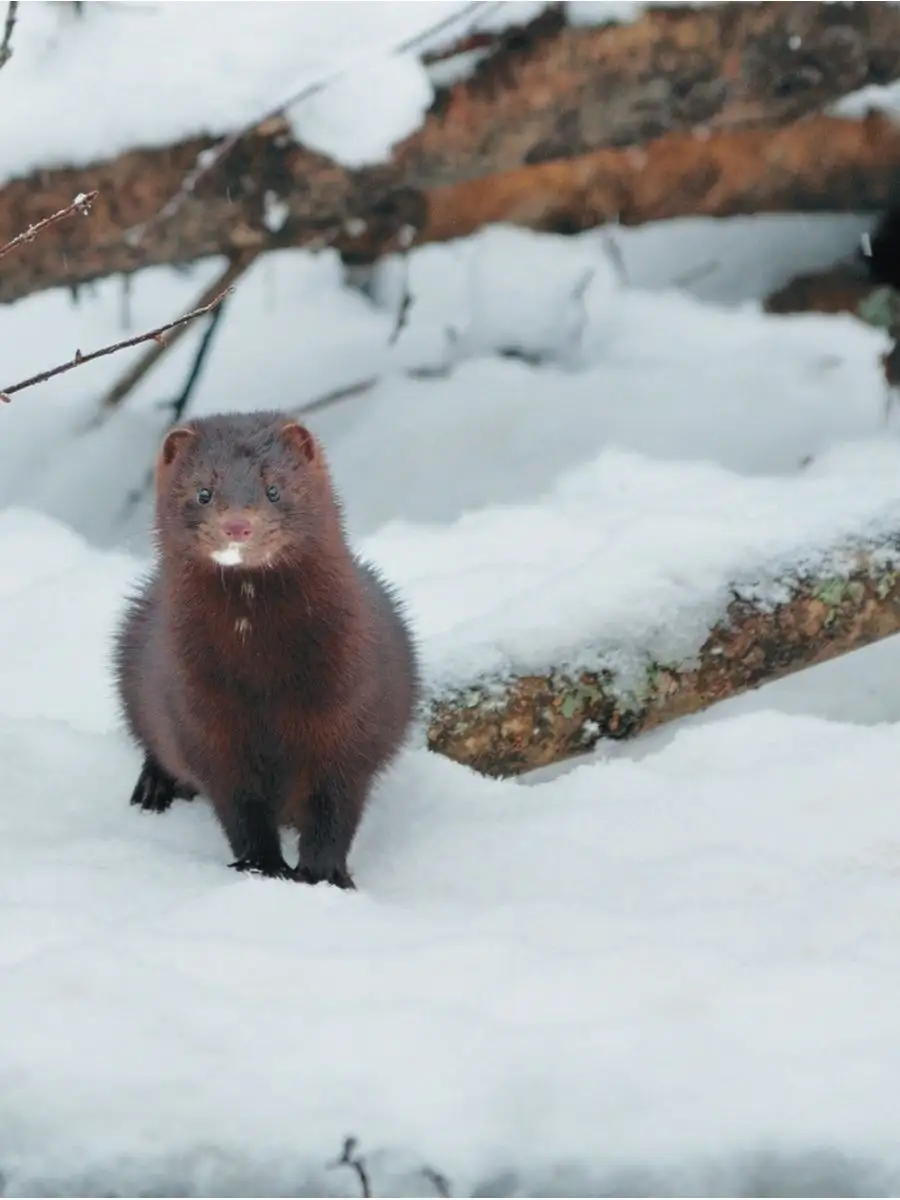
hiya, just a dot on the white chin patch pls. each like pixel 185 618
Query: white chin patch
pixel 231 556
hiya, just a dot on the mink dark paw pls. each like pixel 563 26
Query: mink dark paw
pixel 267 870
pixel 338 877
pixel 155 789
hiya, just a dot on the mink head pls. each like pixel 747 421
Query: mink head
pixel 245 492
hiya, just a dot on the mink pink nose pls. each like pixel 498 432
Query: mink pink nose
pixel 237 529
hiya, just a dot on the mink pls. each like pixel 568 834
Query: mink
pixel 262 664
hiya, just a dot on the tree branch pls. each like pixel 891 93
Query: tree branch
pixel 81 204
pixel 214 157
pixel 508 724
pixel 12 10
pixel 558 128
pixel 349 1158
pixel 156 335
pixel 210 299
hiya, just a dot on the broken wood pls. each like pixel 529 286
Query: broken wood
pixel 542 134
pixel 505 726
pixel 819 164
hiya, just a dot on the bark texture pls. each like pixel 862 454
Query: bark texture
pixel 543 134
pixel 503 727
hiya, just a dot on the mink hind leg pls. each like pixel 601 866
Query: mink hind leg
pixel 156 788
pixel 328 826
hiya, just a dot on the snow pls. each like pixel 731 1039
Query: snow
pixel 666 968
pixel 223 65
pixel 688 942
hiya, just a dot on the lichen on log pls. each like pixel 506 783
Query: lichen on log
pixel 515 142
pixel 506 726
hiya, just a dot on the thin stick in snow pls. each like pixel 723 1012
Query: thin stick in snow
pixel 178 406
pixel 439 1182
pixel 213 295
pixel 349 1158
pixel 155 335
pixel 9 25
pixel 82 204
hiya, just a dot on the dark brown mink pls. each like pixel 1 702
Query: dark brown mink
pixel 262 664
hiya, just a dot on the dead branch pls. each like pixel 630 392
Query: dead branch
pixel 155 335
pixel 558 128
pixel 81 204
pixel 209 300
pixel 506 725
pixel 439 1182
pixel 12 10
pixel 349 1158
pixel 274 116
pixel 179 405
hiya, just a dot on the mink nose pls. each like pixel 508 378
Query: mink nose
pixel 237 529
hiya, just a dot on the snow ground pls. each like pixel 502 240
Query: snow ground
pixel 669 967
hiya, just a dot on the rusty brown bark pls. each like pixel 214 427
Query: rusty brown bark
pixel 543 134
pixel 503 727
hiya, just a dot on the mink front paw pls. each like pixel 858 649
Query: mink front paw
pixel 267 870
pixel 154 790
pixel 338 877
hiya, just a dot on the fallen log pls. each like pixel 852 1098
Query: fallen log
pixel 505 726
pixel 517 141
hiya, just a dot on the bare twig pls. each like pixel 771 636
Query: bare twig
pixel 405 304
pixel 178 406
pixel 12 10
pixel 349 1158
pixel 209 300
pixel 439 1182
pixel 212 157
pixel 82 204
pixel 155 335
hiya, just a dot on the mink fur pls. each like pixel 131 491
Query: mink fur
pixel 262 664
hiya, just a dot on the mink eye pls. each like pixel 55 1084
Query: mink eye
pixel 273 493
pixel 204 496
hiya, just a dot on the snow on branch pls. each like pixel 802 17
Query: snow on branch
pixel 798 617
pixel 273 116
pixel 81 204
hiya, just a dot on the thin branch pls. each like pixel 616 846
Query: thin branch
pixel 349 1158
pixel 406 303
pixel 212 157
pixel 12 10
pixel 439 1182
pixel 209 300
pixel 82 204
pixel 178 406
pixel 155 335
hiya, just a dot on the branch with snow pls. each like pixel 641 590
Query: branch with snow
pixel 273 118
pixel 506 725
pixel 81 204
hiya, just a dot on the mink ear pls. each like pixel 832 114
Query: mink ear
pixel 174 443
pixel 301 440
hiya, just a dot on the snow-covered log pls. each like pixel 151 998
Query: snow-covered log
pixel 505 726
pixel 685 110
